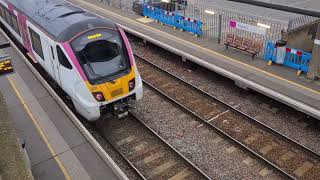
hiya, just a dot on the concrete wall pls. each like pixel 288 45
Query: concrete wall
pixel 314 66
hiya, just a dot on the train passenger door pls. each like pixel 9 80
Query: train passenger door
pixel 50 59
pixel 54 63
pixel 41 49
pixel 66 72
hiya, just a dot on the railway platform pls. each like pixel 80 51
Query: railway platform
pixel 57 148
pixel 278 82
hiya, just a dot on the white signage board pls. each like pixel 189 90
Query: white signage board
pixel 248 27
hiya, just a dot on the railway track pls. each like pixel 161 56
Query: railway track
pixel 286 156
pixel 156 159
pixel 149 155
pixel 145 151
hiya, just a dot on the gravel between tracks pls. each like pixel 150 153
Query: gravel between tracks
pixel 200 145
pixel 139 148
pixel 284 119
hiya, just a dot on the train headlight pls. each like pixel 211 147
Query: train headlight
pixel 98 96
pixel 132 84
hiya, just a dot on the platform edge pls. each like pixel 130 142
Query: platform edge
pixel 298 105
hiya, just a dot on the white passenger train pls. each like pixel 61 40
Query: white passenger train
pixel 89 57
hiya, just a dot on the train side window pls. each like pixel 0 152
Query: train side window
pixel 2 12
pixel 36 43
pixel 63 60
pixel 5 14
pixel 8 17
pixel 15 25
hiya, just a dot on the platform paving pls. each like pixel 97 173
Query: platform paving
pixel 264 12
pixel 276 81
pixel 13 162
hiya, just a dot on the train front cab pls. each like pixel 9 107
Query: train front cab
pixel 109 72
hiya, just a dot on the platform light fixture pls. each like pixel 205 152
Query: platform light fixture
pixel 264 25
pixel 165 1
pixel 209 12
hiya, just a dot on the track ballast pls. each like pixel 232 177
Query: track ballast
pixel 283 154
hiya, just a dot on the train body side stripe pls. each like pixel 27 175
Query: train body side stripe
pixel 74 60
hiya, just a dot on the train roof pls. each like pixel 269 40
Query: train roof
pixel 60 19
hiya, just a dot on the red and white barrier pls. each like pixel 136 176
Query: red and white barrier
pixel 294 51
pixel 190 20
pixel 169 13
pixel 152 8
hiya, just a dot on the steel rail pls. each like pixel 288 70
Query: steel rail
pixel 170 146
pixel 248 117
pixel 222 132
pixel 124 157
pixel 136 118
pixel 286 174
pixel 279 96
pixel 63 100
pixel 55 95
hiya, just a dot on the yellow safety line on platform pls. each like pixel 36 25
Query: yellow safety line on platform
pixel 198 46
pixel 52 151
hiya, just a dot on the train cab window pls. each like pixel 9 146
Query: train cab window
pixel 36 43
pixel 102 54
pixel 63 60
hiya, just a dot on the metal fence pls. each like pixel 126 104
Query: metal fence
pixel 216 23
pixel 122 4
pixel 301 21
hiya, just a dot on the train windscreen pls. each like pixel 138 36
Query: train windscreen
pixel 102 54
